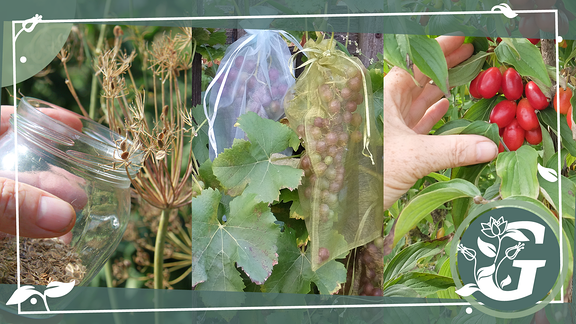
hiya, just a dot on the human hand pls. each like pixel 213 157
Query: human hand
pixel 410 112
pixel 48 204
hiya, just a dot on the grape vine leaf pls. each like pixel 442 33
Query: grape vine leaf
pixel 249 167
pixel 247 239
pixel 293 273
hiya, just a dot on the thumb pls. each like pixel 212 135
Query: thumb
pixel 450 151
pixel 41 214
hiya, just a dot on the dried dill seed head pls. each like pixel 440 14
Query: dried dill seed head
pixel 41 262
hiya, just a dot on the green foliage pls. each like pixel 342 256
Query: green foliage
pixel 518 172
pixel 250 166
pixel 430 199
pixel 247 239
pixel 293 273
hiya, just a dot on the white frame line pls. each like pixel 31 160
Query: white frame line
pixel 351 15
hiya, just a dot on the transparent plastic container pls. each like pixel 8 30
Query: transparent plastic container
pixel 82 156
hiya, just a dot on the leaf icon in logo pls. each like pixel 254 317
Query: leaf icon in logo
pixel 467 290
pixel 57 289
pixel 506 282
pixel 22 294
pixel 547 173
pixel 488 249
pixel 54 289
pixel 516 235
pixel 486 271
pixel 505 9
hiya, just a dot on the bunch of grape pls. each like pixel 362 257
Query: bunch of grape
pixel 331 124
pixel 372 259
pixel 516 115
pixel 261 88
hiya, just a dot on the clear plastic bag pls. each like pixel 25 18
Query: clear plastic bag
pixel 330 107
pixel 254 75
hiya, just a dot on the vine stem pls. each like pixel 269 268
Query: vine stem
pixel 159 249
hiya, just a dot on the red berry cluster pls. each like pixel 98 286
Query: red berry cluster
pixel 515 116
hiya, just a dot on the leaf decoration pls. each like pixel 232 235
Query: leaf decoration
pixel 518 171
pixel 486 271
pixel 506 282
pixel 550 192
pixel 293 274
pixel 247 166
pixel 547 174
pixel 467 290
pixel 429 199
pixel 248 240
pixel 488 249
pixel 22 294
pixel 57 289
pixel 516 235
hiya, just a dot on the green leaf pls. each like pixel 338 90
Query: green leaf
pixel 453 127
pixel 527 60
pixel 248 167
pixel 548 117
pixel 450 292
pixel 377 80
pixel 247 240
pixel 466 71
pixel 293 273
pixel 378 99
pixel 461 206
pixel 207 175
pixel 483 128
pixel 482 108
pixel 518 171
pixel 200 141
pixel 423 284
pixel 548 146
pixel 429 58
pixel 550 192
pixel 429 199
pixel 397 51
pixel 408 258
pixel 438 177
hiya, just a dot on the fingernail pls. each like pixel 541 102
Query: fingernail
pixel 486 151
pixel 54 215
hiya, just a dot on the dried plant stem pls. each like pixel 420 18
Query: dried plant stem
pixel 73 91
pixel 159 249
pixel 94 88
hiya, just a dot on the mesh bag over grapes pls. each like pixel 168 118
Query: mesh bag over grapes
pixel 254 75
pixel 330 107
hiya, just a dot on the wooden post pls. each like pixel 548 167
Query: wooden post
pixel 196 81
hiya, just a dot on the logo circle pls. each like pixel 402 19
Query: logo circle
pixel 506 259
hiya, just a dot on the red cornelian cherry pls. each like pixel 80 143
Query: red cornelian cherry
pixel 490 83
pixel 512 84
pixel 535 96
